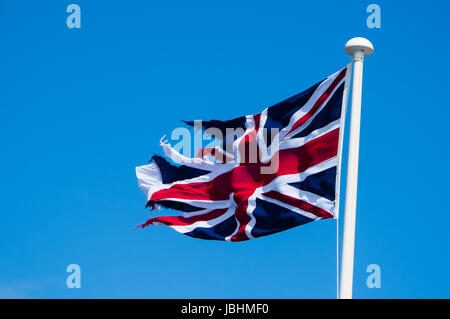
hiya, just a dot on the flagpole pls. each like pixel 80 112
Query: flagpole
pixel 357 48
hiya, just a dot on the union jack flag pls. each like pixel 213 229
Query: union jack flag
pixel 276 170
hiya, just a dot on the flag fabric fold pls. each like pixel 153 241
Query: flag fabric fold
pixel 271 171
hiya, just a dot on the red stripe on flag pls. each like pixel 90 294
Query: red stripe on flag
pixel 319 102
pixel 296 160
pixel 183 221
pixel 215 189
pixel 305 206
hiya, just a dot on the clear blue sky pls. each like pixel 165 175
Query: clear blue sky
pixel 81 108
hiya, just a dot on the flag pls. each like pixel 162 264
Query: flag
pixel 270 172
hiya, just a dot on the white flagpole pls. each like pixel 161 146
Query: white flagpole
pixel 357 48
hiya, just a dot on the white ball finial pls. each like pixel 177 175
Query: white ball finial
pixel 358 45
